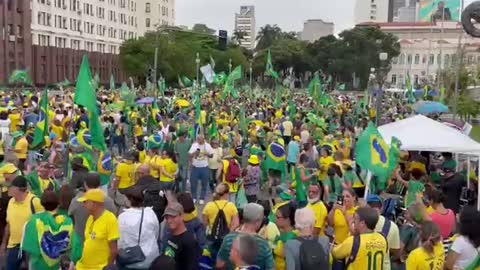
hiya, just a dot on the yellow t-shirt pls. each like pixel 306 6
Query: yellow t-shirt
pixel 211 210
pixel 342 228
pixel 170 167
pixel 138 131
pixel 371 252
pixel 45 183
pixel 15 120
pixel 154 164
pixel 420 259
pixel 98 235
pixel 22 147
pixel 125 173
pixel 324 164
pixel 141 156
pixel 321 214
pixel 57 130
pixel 18 214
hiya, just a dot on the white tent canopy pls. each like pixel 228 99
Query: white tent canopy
pixel 420 133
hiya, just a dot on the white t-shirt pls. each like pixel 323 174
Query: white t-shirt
pixel 202 159
pixel 466 251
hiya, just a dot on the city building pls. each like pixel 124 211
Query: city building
pixel 383 10
pixel 406 14
pixel 49 36
pixel 315 29
pixel 427 48
pixel 371 11
pixel 245 22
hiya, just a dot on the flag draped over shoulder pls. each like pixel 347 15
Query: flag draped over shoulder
pixel 375 155
pixel 47 238
pixel 85 96
pixel 41 130
pixel 300 188
pixel 35 184
pixel 269 67
pixel 276 158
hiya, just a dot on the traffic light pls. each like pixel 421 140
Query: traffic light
pixel 222 39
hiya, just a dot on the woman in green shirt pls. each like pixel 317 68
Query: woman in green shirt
pixel 415 186
pixel 333 184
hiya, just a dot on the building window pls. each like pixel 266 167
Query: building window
pixel 147 22
pixel 417 59
pixel 401 60
pixel 447 59
pixel 19 31
pixel 409 59
pixel 415 79
pixel 147 7
pixel 395 60
pixel 470 59
pixel 431 59
pixel 394 79
pixel 400 79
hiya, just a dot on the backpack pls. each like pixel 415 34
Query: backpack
pixel 389 209
pixel 312 255
pixel 153 196
pixel 220 226
pixel 233 172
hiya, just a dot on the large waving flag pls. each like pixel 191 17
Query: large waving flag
pixel 228 89
pixel 410 94
pixel 48 238
pixel 85 96
pixel 41 130
pixel 20 76
pixel 315 88
pixel 269 67
pixel 375 155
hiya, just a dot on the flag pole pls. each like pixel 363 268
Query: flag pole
pixel 367 185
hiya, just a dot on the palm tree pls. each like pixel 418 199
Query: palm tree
pixel 238 36
pixel 267 35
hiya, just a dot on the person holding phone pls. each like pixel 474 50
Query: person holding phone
pixel 200 152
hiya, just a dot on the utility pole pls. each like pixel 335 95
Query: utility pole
pixel 460 52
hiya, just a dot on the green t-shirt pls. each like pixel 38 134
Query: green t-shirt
pixel 414 188
pixel 335 187
pixel 182 148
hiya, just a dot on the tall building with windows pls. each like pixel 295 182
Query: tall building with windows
pixel 50 36
pixel 315 29
pixel 245 22
pixel 384 10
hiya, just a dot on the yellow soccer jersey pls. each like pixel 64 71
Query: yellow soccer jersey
pixel 420 259
pixel 372 250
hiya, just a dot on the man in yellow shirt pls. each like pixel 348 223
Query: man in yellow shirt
pixel 101 233
pixel 15 120
pixel 20 208
pixel 20 148
pixel 125 172
pixel 319 209
pixel 366 249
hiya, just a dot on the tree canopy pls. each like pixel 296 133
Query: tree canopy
pixel 354 51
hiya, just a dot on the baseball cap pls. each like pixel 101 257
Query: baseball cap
pixel 94 195
pixel 372 198
pixel 174 209
pixel 8 168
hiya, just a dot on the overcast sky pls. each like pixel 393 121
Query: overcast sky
pixel 288 14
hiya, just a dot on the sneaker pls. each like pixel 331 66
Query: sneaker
pixel 202 202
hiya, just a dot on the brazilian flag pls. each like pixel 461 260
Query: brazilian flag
pixel 36 186
pixel 105 167
pixel 41 130
pixel 375 155
pixel 276 158
pixel 47 238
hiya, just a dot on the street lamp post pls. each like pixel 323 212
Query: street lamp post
pixel 197 60
pixel 229 65
pixel 251 71
pixel 383 57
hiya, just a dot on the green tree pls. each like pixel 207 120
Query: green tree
pixel 203 29
pixel 267 35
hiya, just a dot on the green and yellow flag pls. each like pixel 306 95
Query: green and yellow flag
pixel 41 130
pixel 269 67
pixel 410 94
pixel 47 238
pixel 85 96
pixel 375 155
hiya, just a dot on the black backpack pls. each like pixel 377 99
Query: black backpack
pixel 312 255
pixel 220 226
pixel 154 196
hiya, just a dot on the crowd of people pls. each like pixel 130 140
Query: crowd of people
pixel 217 186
